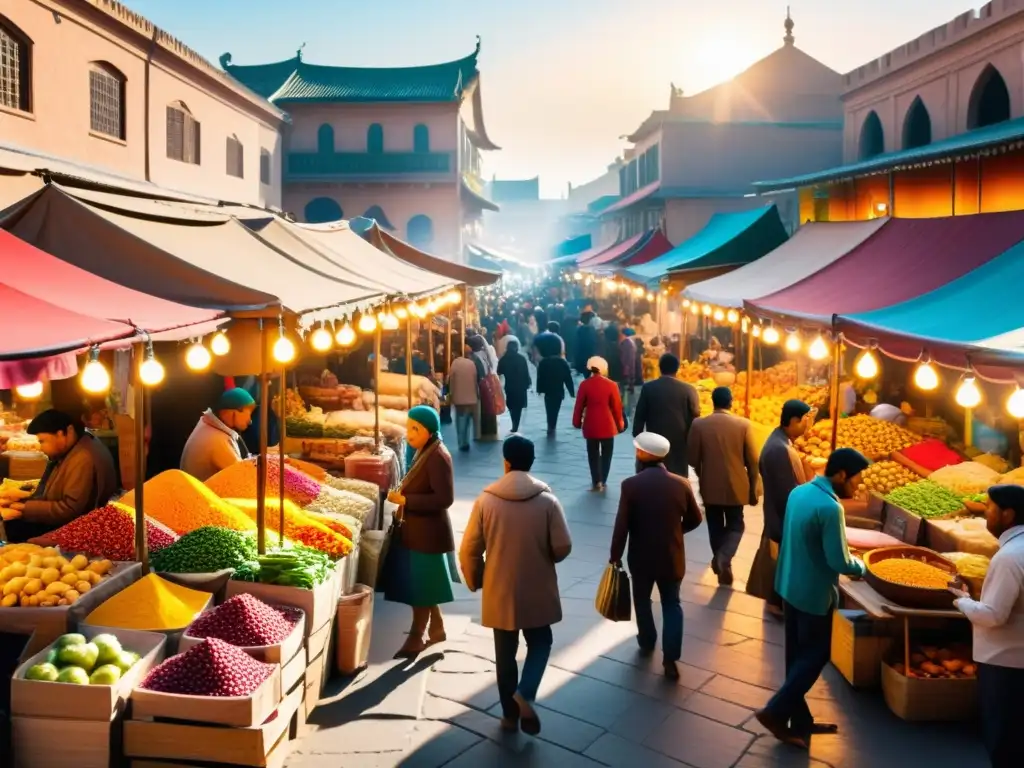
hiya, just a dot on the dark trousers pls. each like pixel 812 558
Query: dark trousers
pixel 516 412
pixel 725 529
pixel 538 650
pixel 599 454
pixel 808 649
pixel 1002 712
pixel 552 404
pixel 671 614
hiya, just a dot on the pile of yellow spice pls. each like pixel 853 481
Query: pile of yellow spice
pixel 152 604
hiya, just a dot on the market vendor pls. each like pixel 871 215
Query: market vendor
pixel 216 442
pixel 79 478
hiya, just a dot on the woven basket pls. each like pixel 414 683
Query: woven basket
pixel 907 596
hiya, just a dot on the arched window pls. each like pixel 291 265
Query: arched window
pixel 183 135
pixel 321 210
pixel 15 67
pixel 325 139
pixel 420 231
pixel 990 100
pixel 235 158
pixel 376 213
pixel 106 100
pixel 375 138
pixel 421 138
pixel 917 126
pixel 872 139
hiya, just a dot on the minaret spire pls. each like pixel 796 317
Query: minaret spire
pixel 789 39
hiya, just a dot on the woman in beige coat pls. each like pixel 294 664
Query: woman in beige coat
pixel 520 526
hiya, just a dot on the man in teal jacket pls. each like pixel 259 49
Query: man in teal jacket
pixel 813 555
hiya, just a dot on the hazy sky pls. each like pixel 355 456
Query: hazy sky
pixel 562 79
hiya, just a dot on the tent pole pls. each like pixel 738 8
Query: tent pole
pixel 968 427
pixel 448 344
pixel 750 369
pixel 682 332
pixel 465 313
pixel 376 389
pixel 281 431
pixel 408 359
pixel 141 546
pixel 430 343
pixel 261 457
pixel 837 354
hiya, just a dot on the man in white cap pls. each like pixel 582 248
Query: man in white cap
pixel 656 508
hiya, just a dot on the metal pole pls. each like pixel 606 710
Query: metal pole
pixel 682 332
pixel 430 343
pixel 141 546
pixel 448 344
pixel 750 369
pixel 261 458
pixel 408 359
pixel 837 353
pixel 376 389
pixel 465 313
pixel 281 430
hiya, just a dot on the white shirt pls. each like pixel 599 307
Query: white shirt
pixel 998 618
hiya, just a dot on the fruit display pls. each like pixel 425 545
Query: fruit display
pixel 41 577
pixel 289 566
pixel 293 403
pixel 910 573
pixel 776 380
pixel 884 477
pixel 206 550
pixel 211 668
pixel 933 662
pixel 996 463
pixel 247 622
pixel 109 532
pixel 74 660
pixel 151 604
pixel 967 479
pixel 298 526
pixel 875 438
pixel 182 503
pixel 1013 477
pixel 932 454
pixel 692 372
pixel 926 499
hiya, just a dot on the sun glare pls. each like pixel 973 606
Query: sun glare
pixel 717 60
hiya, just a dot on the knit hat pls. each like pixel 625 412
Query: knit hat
pixel 426 417
pixel 234 400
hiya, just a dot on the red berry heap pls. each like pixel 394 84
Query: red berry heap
pixel 109 532
pixel 212 668
pixel 247 622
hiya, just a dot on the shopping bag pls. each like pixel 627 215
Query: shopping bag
pixel 613 599
pixel 389 555
pixel 492 399
pixel 761 582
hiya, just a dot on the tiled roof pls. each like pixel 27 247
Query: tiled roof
pixel 296 81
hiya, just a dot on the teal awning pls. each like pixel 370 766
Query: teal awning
pixel 727 240
pixel 970 143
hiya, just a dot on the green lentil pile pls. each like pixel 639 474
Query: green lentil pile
pixel 926 499
pixel 205 550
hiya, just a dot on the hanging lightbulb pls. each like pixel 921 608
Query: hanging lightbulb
pixel 756 331
pixel 198 357
pixel 926 377
pixel 588 282
pixel 694 309
pixel 650 296
pixel 732 316
pixel 367 323
pixel 707 310
pixel 867 365
pixel 771 335
pixel 1015 404
pixel 577 275
pixel 638 292
pixel 95 378
pixel 744 325
pixel 346 335
pixel 284 348
pixel 401 313
pixel 686 302
pixel 967 394
pixel 151 370
pixel 220 345
pixel 321 339
pixel 818 349
pixel 31 391
pixel 390 322
pixel 417 310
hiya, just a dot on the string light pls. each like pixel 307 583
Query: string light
pixel 707 310
pixel 151 370
pixel 284 348
pixel 346 335
pixel 650 296
pixel 967 394
pixel 95 378
pixel 390 321
pixel 793 342
pixel 867 365
pixel 638 292
pixel 31 391
pixel 220 345
pixel 686 302
pixel 732 316
pixel 694 309
pixel 818 349
pixel 367 323
pixel 926 377
pixel 198 357
pixel 719 315
pixel 1015 404
pixel 401 313
pixel 417 311
pixel 321 339
pixel 756 332
pixel 577 275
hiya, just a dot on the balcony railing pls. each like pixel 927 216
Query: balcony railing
pixel 322 164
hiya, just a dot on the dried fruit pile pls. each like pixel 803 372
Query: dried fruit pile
pixel 246 621
pixel 205 550
pixel 109 532
pixel 183 504
pixel 298 526
pixel 212 668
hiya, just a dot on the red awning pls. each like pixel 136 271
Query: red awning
pixel 657 246
pixel 613 253
pixel 903 260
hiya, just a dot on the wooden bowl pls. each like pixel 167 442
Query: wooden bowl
pixel 906 596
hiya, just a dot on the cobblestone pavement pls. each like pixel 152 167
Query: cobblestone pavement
pixel 600 703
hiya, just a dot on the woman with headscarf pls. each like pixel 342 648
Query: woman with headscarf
pixel 513 368
pixel 488 422
pixel 417 571
pixel 599 414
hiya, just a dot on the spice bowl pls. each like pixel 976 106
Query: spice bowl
pixel 278 653
pixel 904 594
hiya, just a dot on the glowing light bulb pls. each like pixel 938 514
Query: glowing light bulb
pixel 707 310
pixel 756 331
pixel 577 275
pixel 732 316
pixel 1015 404
pixel 770 335
pixel 455 297
pixel 367 323
pixel 31 391
pixel 401 313
pixel 638 292
pixel 793 342
pixel 417 310
pixel 95 378
pixel 967 394
pixel 321 340
pixel 346 335
pixel 198 357
pixel 867 365
pixel 151 370
pixel 694 309
pixel 686 302
pixel 284 349
pixel 926 378
pixel 588 282
pixel 220 345
pixel 389 323
pixel 818 349
pixel 650 296
pixel 744 325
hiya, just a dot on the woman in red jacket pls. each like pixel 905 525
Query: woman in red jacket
pixel 599 412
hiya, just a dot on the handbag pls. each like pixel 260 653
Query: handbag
pixel 761 582
pixel 385 561
pixel 492 399
pixel 613 596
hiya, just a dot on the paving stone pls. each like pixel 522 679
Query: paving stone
pixel 560 729
pixel 639 721
pixel 435 744
pixel 717 709
pixel 585 698
pixel 698 741
pixel 534 754
pixel 621 753
pixel 477 690
pixel 727 689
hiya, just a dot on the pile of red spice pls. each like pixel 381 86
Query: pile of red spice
pixel 109 532
pixel 212 668
pixel 932 454
pixel 246 621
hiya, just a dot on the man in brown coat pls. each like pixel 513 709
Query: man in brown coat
pixel 721 448
pixel 656 508
pixel 520 525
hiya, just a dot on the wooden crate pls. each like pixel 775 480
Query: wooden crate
pixel 41 742
pixel 242 712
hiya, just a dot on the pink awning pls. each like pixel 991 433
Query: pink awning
pixel 641 194
pixel 617 250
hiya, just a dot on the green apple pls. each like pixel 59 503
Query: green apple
pixel 109 647
pixel 51 657
pixel 74 675
pixel 70 639
pixel 108 674
pixel 83 655
pixel 126 660
pixel 44 672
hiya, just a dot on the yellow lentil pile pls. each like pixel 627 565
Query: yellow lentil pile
pixel 298 526
pixel 183 504
pixel 911 573
pixel 151 603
